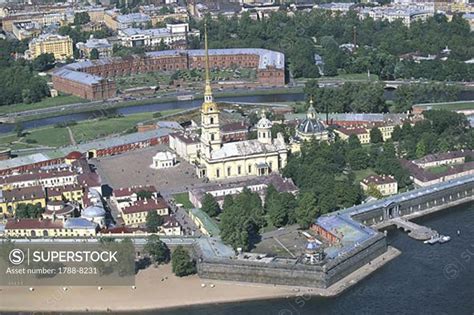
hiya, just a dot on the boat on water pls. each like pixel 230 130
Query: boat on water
pixel 444 239
pixel 438 239
pixel 189 97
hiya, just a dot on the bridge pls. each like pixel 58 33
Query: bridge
pixel 418 232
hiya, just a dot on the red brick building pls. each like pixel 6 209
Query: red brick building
pixel 84 85
pixel 92 79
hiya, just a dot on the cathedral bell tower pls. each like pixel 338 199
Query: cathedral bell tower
pixel 210 131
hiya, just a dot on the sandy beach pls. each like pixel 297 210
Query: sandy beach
pixel 158 288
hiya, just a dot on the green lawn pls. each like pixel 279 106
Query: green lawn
pixel 47 102
pixel 183 198
pixel 93 129
pixel 361 174
pixel 438 169
pixel 53 137
pixel 83 131
pixel 345 77
pixel 463 105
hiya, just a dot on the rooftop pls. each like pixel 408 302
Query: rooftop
pixel 14 224
pixel 77 76
pixel 245 148
pixel 146 206
pixel 128 191
pixel 379 180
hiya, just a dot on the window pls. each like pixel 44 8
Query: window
pixel 212 137
pixel 228 171
pixel 239 169
pixel 218 173
pixel 250 169
pixel 211 120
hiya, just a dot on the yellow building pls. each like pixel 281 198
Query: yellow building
pixel 68 192
pixel 135 214
pixel 235 159
pixel 59 46
pixel 362 133
pixel 10 199
pixel 73 227
pixel 386 185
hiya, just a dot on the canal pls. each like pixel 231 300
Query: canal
pixel 42 122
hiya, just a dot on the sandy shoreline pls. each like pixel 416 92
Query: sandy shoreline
pixel 157 288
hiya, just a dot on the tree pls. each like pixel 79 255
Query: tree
pixel 210 205
pixel 242 220
pixel 307 210
pixel 153 221
pixel 144 194
pixel 94 54
pixel 376 135
pixel 374 192
pixel 358 159
pixel 81 18
pixel 397 133
pixel 353 142
pixel 44 62
pixel 19 130
pixel 28 211
pixel 181 262
pixel 158 251
pixel 279 206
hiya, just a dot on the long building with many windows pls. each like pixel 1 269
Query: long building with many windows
pixel 93 79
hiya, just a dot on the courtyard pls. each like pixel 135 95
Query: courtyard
pixel 133 168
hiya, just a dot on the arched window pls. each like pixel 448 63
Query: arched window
pixel 211 120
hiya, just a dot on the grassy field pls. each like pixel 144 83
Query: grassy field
pixel 360 175
pixel 47 102
pixel 183 198
pixel 82 132
pixel 462 105
pixel 344 77
pixel 438 169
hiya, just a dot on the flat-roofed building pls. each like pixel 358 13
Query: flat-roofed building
pixel 102 45
pixel 135 37
pixel 59 46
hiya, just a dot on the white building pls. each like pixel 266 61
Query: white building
pixel 102 45
pixel 135 37
pixel 164 160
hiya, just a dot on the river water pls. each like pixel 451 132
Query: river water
pixel 424 279
pixel 389 95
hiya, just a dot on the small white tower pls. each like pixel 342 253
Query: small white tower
pixel 264 130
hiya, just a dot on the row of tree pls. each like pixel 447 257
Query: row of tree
pixel 380 43
pixel 159 253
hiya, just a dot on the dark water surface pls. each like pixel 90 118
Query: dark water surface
pixel 424 279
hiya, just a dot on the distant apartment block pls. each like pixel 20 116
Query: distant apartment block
pixel 135 37
pixel 59 46
pixel 26 30
pixel 103 47
pixel 115 21
pixel 405 14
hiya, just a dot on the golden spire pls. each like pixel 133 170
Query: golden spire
pixel 207 90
